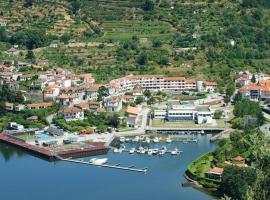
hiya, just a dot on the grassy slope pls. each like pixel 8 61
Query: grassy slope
pixel 119 20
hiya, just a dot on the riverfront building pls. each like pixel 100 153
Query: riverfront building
pixel 177 112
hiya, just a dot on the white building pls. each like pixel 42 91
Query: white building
pixel 113 104
pixel 72 113
pixel 133 117
pixel 176 112
pixel 154 83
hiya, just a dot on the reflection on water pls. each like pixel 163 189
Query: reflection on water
pixel 8 152
pixel 70 181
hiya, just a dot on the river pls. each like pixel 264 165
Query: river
pixel 27 177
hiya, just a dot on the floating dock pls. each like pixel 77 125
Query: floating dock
pixel 116 166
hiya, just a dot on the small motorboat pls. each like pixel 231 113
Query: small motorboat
pixel 156 140
pixel 141 138
pixel 162 152
pixel 127 140
pixel 150 152
pixel 136 139
pixel 132 151
pixel 155 151
pixel 175 152
pixel 122 139
pixel 139 150
pixel 100 161
pixel 147 140
pixel 168 140
pixel 202 131
pixel 117 150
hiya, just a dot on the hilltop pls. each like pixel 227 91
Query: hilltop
pixel 111 38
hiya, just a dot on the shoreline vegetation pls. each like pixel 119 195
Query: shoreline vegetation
pixel 239 167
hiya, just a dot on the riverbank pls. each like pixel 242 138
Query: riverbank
pixel 198 168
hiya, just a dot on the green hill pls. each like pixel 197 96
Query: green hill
pixel 203 39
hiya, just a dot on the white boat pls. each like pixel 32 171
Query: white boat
pixel 122 139
pixel 156 140
pixel 127 140
pixel 150 152
pixel 202 131
pixel 168 140
pixel 162 152
pixel 132 151
pixel 100 161
pixel 155 151
pixel 175 152
pixel 139 149
pixel 136 139
pixel 141 138
pixel 147 140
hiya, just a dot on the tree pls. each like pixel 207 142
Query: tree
pixel 236 182
pixel 218 114
pixel 148 5
pixel 142 58
pixel 147 93
pixel 75 6
pixel 102 92
pixel 30 55
pixel 113 121
pixel 253 79
pixel 139 100
pixel 156 43
pixel 248 107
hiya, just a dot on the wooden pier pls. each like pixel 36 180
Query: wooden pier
pixel 116 166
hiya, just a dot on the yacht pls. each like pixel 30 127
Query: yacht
pixel 100 161
pixel 175 152
pixel 127 140
pixel 132 151
pixel 141 138
pixel 122 139
pixel 136 139
pixel 150 152
pixel 155 151
pixel 162 151
pixel 156 140
pixel 147 140
pixel 168 140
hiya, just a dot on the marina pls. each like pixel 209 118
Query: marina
pixel 163 179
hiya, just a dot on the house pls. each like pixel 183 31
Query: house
pixel 82 105
pixel 113 104
pixel 215 173
pixel 95 106
pixel 87 78
pixel 9 106
pixel 3 22
pixel 13 52
pixel 33 118
pixel 67 99
pixel 210 86
pixel 72 113
pixel 133 116
pixel 91 93
pixel 38 105
pixel 19 107
pixel 50 93
pixel 128 98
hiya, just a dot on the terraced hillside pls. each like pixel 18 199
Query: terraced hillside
pixel 208 39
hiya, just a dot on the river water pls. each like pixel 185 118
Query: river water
pixel 26 177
